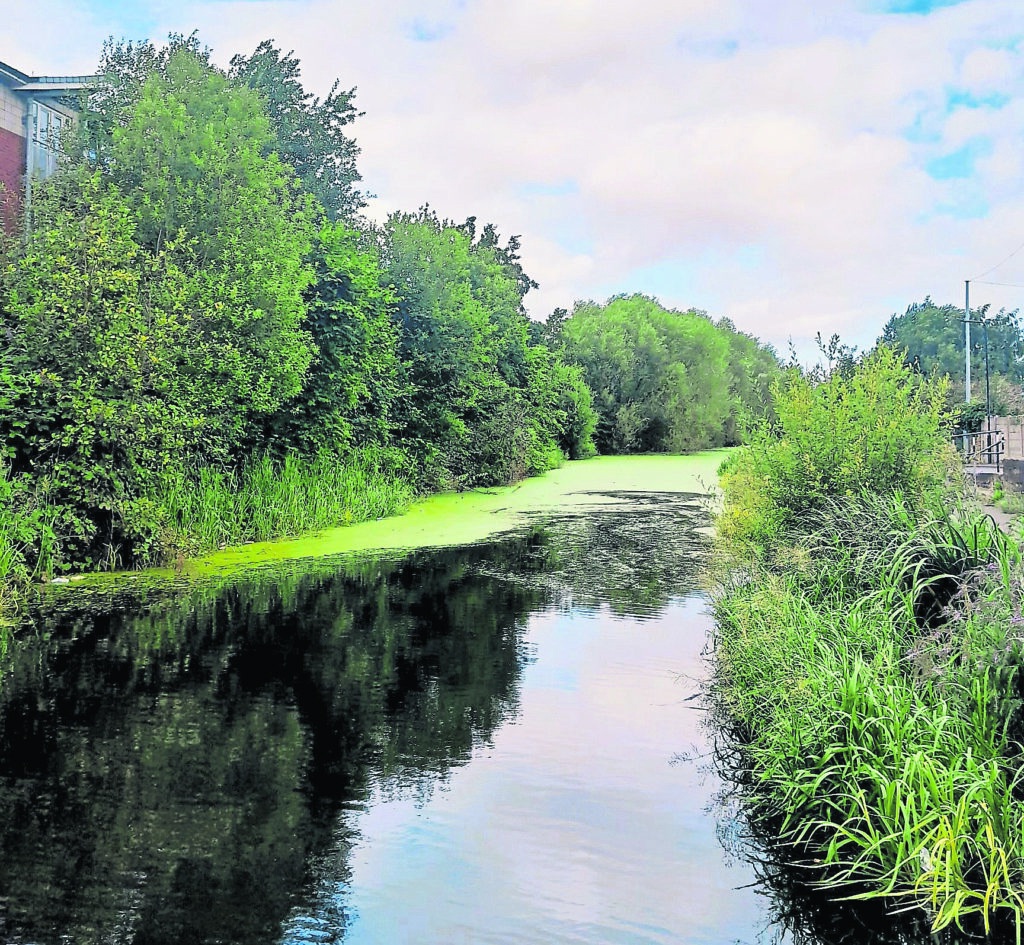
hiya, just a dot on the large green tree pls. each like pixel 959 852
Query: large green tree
pixel 310 133
pixel 485 403
pixel 661 378
pixel 157 311
pixel 191 162
pixel 931 337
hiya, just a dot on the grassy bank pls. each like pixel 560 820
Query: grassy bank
pixel 217 522
pixel 196 511
pixel 867 655
pixel 207 509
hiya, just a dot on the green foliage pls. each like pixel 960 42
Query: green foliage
pixel 350 392
pixel 309 133
pixel 880 732
pixel 874 431
pixel 205 507
pixel 970 417
pixel 190 162
pixel 484 403
pixel 123 70
pixel 932 339
pixel 753 368
pixel 155 311
pixel 663 380
pixel 869 661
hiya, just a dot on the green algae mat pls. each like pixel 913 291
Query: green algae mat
pixel 458 518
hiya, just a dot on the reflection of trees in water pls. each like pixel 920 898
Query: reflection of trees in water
pixel 166 776
pixel 634 555
pixel 172 770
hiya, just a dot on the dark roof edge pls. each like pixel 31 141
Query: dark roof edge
pixel 9 73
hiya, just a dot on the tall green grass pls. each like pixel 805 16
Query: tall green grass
pixel 27 542
pixel 871 672
pixel 197 509
pixel 205 508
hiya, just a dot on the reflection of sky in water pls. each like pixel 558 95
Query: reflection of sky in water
pixel 574 825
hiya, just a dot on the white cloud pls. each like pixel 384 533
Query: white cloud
pixel 767 145
pixel 986 69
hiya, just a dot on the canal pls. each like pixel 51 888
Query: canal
pixel 501 740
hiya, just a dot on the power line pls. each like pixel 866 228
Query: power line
pixel 1008 285
pixel 997 265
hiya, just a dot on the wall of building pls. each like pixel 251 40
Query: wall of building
pixel 12 157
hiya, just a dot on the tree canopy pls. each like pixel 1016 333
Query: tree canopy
pixel 664 380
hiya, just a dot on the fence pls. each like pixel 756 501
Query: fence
pixel 987 448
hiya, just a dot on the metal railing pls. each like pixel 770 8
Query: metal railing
pixel 984 448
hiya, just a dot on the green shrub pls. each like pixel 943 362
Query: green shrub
pixel 876 430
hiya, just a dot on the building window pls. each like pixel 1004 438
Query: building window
pixel 45 128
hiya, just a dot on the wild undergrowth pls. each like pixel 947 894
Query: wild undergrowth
pixel 193 510
pixel 27 541
pixel 881 726
pixel 205 508
pixel 867 659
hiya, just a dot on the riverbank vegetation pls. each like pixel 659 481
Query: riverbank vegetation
pixel 666 381
pixel 204 342
pixel 868 650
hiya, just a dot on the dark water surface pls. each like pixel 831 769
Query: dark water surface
pixel 499 743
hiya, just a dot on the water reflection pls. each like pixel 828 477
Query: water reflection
pixel 165 776
pixel 466 745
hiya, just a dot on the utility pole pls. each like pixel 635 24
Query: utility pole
pixel 967 339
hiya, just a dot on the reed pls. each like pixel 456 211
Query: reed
pixel 871 673
pixel 205 508
pixel 28 538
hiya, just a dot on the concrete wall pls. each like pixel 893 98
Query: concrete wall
pixel 1013 428
pixel 12 111
pixel 1013 472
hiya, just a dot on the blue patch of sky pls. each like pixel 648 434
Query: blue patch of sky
pixel 685 282
pixel 961 207
pixel 926 127
pixel 969 208
pixel 960 98
pixel 126 20
pixel 428 31
pixel 959 164
pixel 922 7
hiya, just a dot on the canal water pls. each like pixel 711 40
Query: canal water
pixel 501 742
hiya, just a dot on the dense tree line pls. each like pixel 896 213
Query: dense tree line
pixel 195 289
pixel 664 380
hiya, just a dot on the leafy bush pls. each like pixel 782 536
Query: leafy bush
pixel 877 430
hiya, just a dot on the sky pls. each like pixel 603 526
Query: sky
pixel 796 167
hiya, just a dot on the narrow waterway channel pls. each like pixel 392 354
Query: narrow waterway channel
pixel 496 742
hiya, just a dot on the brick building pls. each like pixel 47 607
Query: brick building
pixel 34 110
